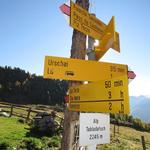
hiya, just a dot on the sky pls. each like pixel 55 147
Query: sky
pixel 31 29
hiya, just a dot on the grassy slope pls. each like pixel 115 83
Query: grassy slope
pixel 14 133
pixel 127 139
pixel 11 131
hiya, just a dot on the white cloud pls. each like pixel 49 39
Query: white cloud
pixel 140 86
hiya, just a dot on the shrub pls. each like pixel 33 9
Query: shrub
pixel 31 144
pixel 54 142
pixel 138 124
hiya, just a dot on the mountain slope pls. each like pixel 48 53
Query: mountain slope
pixel 140 107
pixel 126 139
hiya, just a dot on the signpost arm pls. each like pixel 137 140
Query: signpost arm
pixel 78 50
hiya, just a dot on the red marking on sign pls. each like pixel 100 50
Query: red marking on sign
pixel 67 98
pixel 65 9
pixel 131 75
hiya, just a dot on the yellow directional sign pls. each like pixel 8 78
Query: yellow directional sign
pixel 109 31
pixel 81 20
pixel 100 52
pixel 103 96
pixel 116 44
pixel 108 38
pixel 81 70
pixel 88 24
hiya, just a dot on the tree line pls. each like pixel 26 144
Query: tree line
pixel 129 121
pixel 18 86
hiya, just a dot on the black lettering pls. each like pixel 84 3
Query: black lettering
pixel 110 106
pixel 86 22
pixel 57 63
pixel 50 71
pixel 71 98
pixel 118 83
pixel 86 29
pixel 95 136
pixel 76 98
pixel 113 68
pixel 120 70
pixel 74 90
pixel 121 94
pixel 107 84
pixel 79 10
pixel 109 95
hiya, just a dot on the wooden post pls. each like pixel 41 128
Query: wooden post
pixel 78 50
pixel 28 115
pixel 11 111
pixel 114 129
pixel 118 128
pixel 143 142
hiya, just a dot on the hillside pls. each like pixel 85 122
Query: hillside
pixel 140 107
pixel 126 139
pixel 17 86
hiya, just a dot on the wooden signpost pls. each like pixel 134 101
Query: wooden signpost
pixel 108 91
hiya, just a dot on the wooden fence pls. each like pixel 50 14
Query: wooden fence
pixel 25 112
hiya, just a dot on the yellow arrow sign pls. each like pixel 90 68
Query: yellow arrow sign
pixel 108 38
pixel 81 70
pixel 99 53
pixel 88 24
pixel 116 44
pixel 103 96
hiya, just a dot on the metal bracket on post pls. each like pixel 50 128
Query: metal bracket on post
pixel 90 50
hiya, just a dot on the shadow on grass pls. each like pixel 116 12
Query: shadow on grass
pixel 33 132
pixel 3 146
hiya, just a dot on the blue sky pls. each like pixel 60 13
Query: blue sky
pixel 31 29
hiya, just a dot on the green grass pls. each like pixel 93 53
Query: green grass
pixel 127 139
pixel 11 131
pixel 13 135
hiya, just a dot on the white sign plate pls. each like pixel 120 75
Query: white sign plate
pixel 94 129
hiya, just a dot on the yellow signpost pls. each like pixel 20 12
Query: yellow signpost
pixel 103 96
pixel 81 20
pixel 107 40
pixel 108 91
pixel 81 70
pixel 116 44
pixel 88 24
